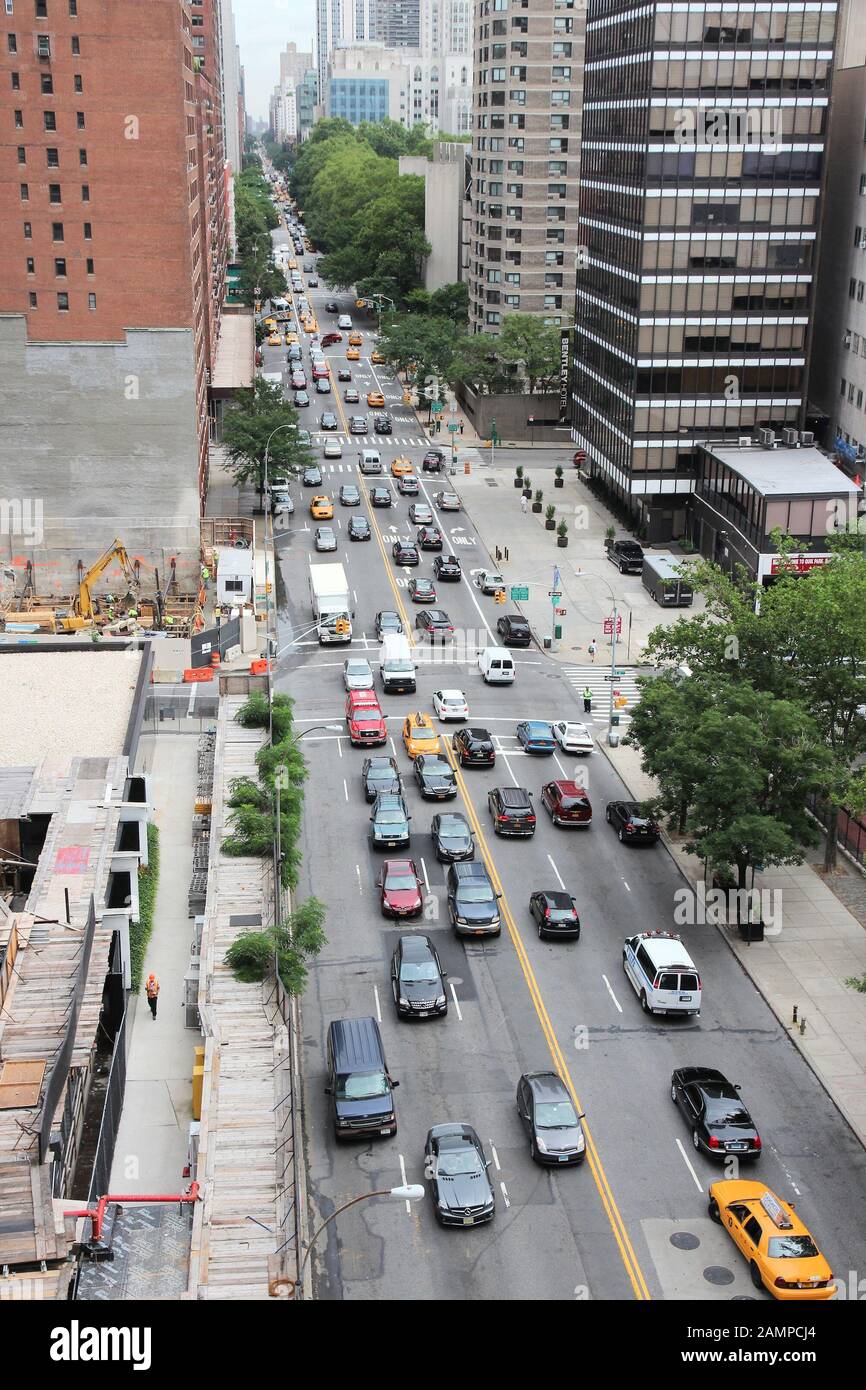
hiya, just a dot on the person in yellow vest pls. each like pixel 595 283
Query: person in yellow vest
pixel 151 989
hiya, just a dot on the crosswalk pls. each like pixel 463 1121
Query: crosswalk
pixel 374 441
pixel 579 677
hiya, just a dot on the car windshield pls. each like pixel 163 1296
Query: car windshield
pixel 382 774
pixel 358 668
pixel 419 973
pixel 437 767
pixel 454 1162
pixel 390 818
pixel 476 893
pixel 791 1248
pixel 555 1114
pixel 451 826
pixel 362 1085
pixel 424 735
pixel 400 883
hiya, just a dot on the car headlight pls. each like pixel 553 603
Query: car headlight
pixel 404 1003
pixel 581 1142
pixel 440 1001
pixel 462 921
pixel 540 1144
pixel 343 1124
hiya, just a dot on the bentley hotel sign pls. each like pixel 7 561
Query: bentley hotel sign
pixel 564 356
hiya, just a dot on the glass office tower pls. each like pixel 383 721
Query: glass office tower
pixel 701 175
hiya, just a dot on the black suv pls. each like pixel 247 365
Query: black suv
pixel 473 904
pixel 514 630
pixel 405 553
pixel 474 746
pixel 433 461
pixel 417 979
pixel 380 774
pixel 447 567
pixel 627 556
pixel 382 424
pixel 630 823
pixel 380 497
pixel 511 809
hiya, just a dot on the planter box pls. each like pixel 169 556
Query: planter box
pixel 550 525
pixel 518 482
pixel 537 508
pixel 559 482
pixel 527 492
pixel 562 542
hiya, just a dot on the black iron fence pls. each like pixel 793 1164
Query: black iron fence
pixel 104 1156
pixel 850 832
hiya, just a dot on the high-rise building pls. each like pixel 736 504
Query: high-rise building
pixel 340 22
pixel 701 178
pixel 113 224
pixel 397 23
pixel 307 96
pixel 528 71
pixel 286 100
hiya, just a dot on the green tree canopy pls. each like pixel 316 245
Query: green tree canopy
pixel 249 425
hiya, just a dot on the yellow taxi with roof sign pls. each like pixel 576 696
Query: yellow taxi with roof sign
pixel 419 735
pixel 783 1258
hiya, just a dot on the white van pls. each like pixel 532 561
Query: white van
pixel 664 976
pixel 273 378
pixel 396 667
pixel 496 666
pixel 369 461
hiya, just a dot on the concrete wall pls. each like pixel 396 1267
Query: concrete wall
pixel 444 179
pixel 98 440
pixel 512 413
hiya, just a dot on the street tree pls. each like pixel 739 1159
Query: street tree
pixel 477 364
pixel 248 426
pixel 661 728
pixel 532 346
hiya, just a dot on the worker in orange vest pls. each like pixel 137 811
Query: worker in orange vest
pixel 151 989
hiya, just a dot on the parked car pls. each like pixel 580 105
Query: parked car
pixel 627 556
pixel 631 824
pixel 417 978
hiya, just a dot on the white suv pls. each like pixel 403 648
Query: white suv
pixel 344 321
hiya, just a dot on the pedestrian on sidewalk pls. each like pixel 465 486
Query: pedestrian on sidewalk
pixel 151 989
pixel 461 426
pixel 587 700
pixel 592 649
pixel 524 502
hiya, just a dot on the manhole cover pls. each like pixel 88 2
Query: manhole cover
pixel 491 482
pixel 717 1274
pixel 684 1240
pixel 743 1298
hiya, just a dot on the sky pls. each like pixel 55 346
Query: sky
pixel 263 28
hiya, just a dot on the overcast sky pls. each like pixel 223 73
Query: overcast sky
pixel 263 28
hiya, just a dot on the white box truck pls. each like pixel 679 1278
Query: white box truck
pixel 330 600
pixel 396 667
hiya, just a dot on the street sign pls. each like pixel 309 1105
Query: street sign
pixel 617 676
pixel 608 626
pixel 560 612
pixel 453 426
pixel 554 594
pixel 436 407
pixel 519 593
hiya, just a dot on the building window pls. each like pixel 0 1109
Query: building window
pixel 860 288
pixel 28 231
pixel 19 120
pixel 82 157
pixel 842 387
pixel 49 120
pixel 60 267
pixel 16 81
pixel 33 299
pixel 63 302
pixel 41 9
pixel 22 154
pixel 73 8
pixel 31 266
pixel 78 81
pixel 859 400
pixel 25 193
pixel 91 301
pixel 52 158
pixel 85 193
pixel 88 231
pixel 54 193
pixel 56 231
pixel 90 270
pixel 863 183
pixel 852 287
pixel 9 9
pixel 80 119
pixel 43 46
pixel 12 43
pixel 76 46
pixel 851 391
pixel 46 81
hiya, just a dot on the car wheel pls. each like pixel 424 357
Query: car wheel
pixel 607 815
pixel 643 1001
pixel 620 836
pixel 696 1140
pixel 533 1151
pixel 673 1093
pixel 756 1275
pixel 713 1209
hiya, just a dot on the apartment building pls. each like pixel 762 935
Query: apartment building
pixel 527 97
pixel 113 224
pixel 704 131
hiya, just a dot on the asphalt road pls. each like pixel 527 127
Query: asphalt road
pixel 632 1221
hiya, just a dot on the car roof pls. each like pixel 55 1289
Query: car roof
pixel 474 869
pixel 416 947
pixel 389 800
pixel 568 788
pixel 399 866
pixel 453 1136
pixel 555 897
pixel 546 1085
pixel 537 725
pixel 666 950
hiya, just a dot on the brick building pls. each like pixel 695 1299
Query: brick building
pixel 113 220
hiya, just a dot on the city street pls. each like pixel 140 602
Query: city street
pixel 632 1221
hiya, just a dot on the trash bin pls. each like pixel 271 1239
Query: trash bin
pixel 751 931
pixel 548 641
pixel 613 738
pixel 557 632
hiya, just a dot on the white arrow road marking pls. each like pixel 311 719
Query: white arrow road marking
pixel 505 1197
pixel 345 789
pixel 495 1157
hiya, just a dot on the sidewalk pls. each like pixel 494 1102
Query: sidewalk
pixel 821 941
pixel 153 1138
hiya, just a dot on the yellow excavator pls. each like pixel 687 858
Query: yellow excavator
pixel 84 611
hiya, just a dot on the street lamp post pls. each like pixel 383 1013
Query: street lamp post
pixel 409 1192
pixel 612 739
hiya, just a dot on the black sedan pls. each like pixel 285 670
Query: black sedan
pixel 435 777
pixel 447 567
pixel 332 307
pixel 514 630
pixel 452 837
pixel 715 1114
pixel 430 538
pixel 359 529
pixel 380 774
pixel 387 621
pixel 350 496
pixel 460 1185
pixel 404 552
pixel 422 591
pixel 436 624
pixel 380 497
pixel 382 424
pixel 328 420
pixel 630 824
pixel 312 476
pixel 475 747
pixel 555 914
pixel 549 1118
pixel 389 821
pixel 301 399
pixel 344 374
pixel 433 461
pixel 417 979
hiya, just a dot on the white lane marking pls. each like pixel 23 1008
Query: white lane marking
pixel 561 768
pixel 687 1161
pixel 393 745
pixel 378 1005
pixel 788 1174
pixel 340 744
pixel 495 1157
pixel 611 993
pixel 470 587
pixel 556 871
pixel 424 872
pixel 626 885
pixel 505 1197
pixel 403 1176
pixel 345 789
pixel 355 595
pixel 358 873
pixel 456 1005
pixel 504 755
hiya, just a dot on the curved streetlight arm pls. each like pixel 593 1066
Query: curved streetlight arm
pixel 411 1193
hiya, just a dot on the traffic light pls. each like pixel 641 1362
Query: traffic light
pixel 500 596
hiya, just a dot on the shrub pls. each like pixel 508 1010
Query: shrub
pixel 562 528
pixel 139 932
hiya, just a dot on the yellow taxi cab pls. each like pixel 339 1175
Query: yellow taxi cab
pixel 291 338
pixel 360 304
pixel 375 398
pixel 376 357
pixel 355 339
pixel 308 323
pixel 419 735
pixel 270 322
pixel 322 508
pixel 274 340
pixel 293 265
pixel 783 1258
pixel 401 466
pixel 353 355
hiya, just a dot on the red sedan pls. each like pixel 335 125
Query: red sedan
pixel 400 888
pixel 567 803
